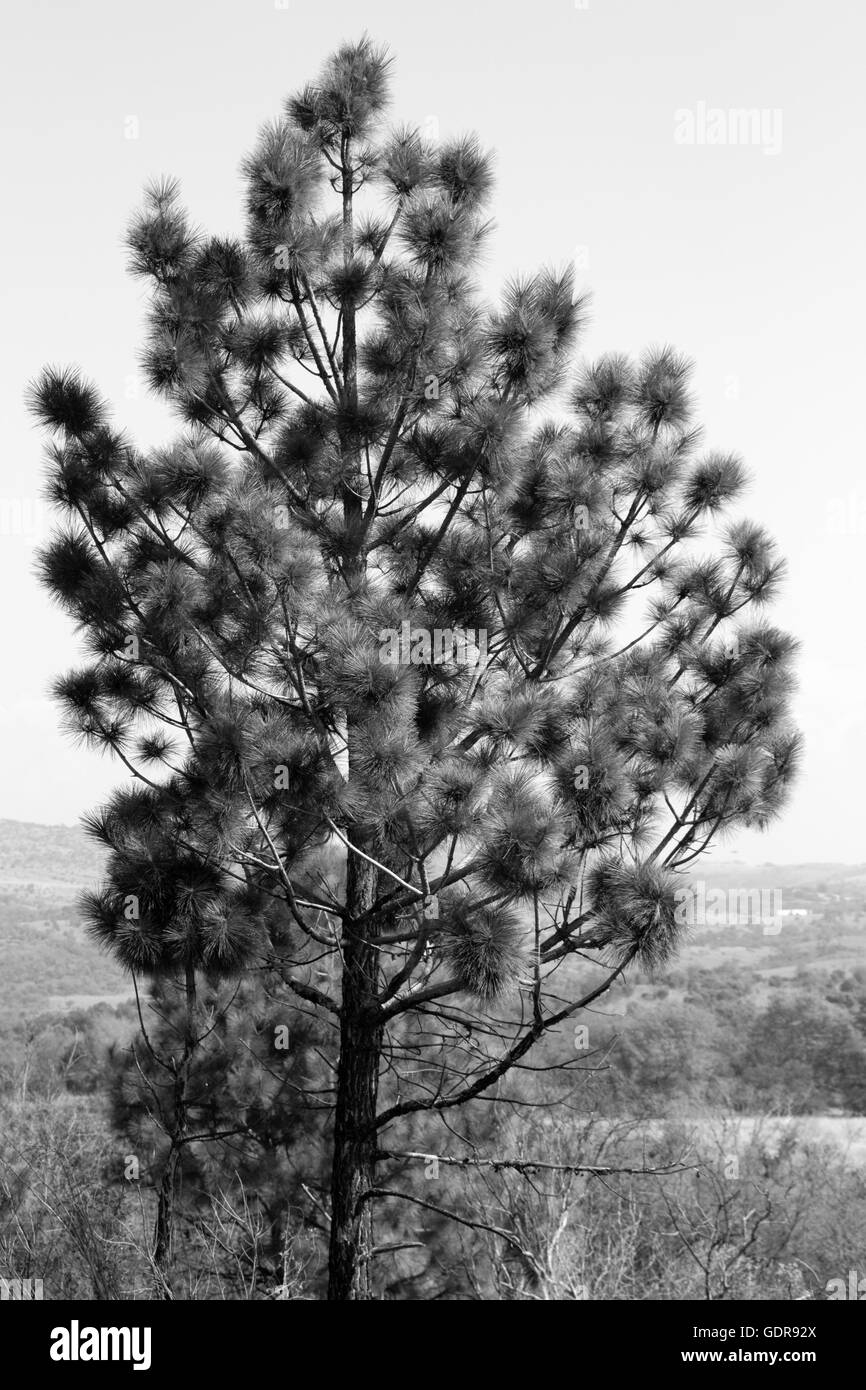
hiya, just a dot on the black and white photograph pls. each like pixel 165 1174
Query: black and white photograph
pixel 432 517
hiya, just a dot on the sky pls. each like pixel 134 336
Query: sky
pixel 738 239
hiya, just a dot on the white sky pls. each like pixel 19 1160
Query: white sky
pixel 750 262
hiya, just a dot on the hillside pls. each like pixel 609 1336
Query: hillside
pixel 47 961
pixel 61 856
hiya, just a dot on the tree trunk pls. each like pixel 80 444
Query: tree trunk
pixel 164 1228
pixel 176 1128
pixel 353 1165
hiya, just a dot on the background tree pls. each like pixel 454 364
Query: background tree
pixel 368 444
pixel 802 1054
pixel 240 1104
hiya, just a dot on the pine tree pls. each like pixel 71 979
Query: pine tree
pixel 415 586
pixel 239 1114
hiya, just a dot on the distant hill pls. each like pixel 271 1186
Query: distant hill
pixel 48 854
pixel 47 961
pixel 732 873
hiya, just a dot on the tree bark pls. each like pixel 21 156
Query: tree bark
pixel 177 1129
pixel 354 1160
pixel 164 1227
